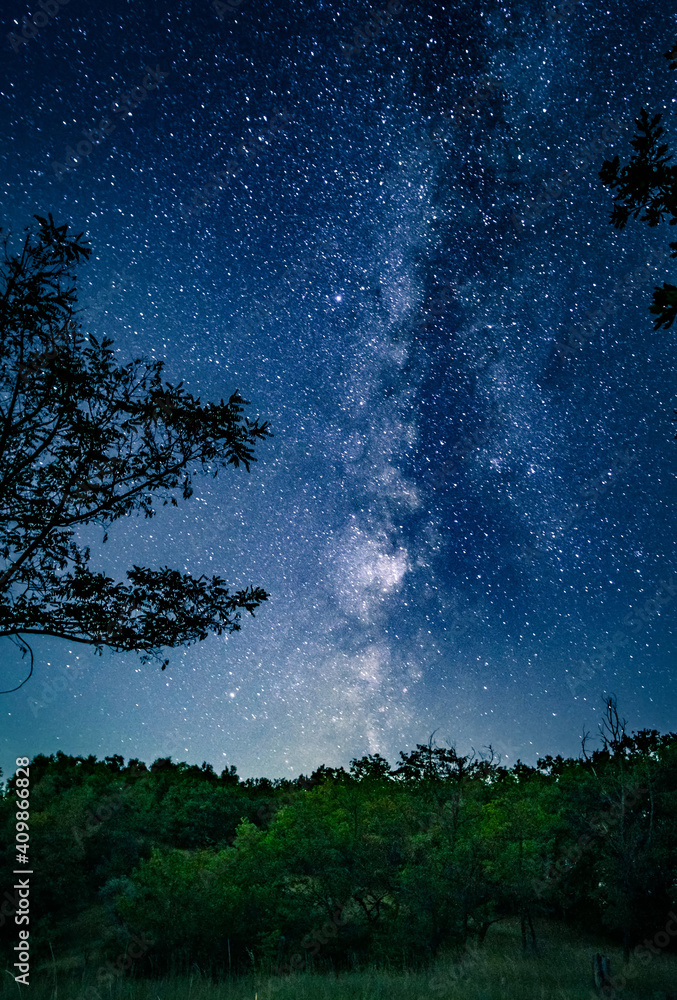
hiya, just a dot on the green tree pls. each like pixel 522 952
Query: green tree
pixel 372 767
pixel 518 829
pixel 85 441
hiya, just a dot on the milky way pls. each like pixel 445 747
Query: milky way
pixel 377 224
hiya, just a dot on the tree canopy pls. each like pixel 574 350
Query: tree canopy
pixel 84 440
pixel 415 859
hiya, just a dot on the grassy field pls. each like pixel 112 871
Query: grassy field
pixel 498 971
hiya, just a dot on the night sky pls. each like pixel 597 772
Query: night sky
pixel 459 530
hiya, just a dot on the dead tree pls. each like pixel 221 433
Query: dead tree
pixel 612 728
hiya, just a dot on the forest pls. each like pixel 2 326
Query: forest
pixel 155 871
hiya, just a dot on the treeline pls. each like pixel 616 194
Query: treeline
pixel 343 868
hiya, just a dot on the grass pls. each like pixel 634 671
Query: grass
pixel 498 971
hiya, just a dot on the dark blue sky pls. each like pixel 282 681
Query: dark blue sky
pixel 457 533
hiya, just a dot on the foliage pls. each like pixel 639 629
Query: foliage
pixel 234 875
pixel 84 440
pixel 647 183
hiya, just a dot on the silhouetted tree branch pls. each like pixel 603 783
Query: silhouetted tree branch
pixel 647 183
pixel 83 440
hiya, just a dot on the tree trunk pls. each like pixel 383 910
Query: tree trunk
pixel 533 932
pixel 601 971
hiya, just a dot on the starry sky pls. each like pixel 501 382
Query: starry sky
pixel 377 235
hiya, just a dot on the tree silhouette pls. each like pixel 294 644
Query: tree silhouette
pixel 85 441
pixel 647 183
